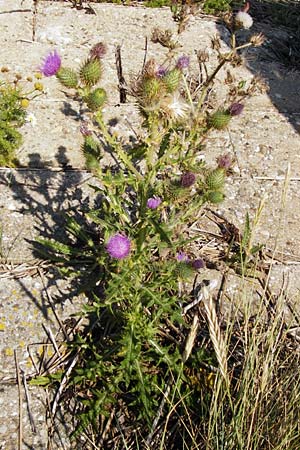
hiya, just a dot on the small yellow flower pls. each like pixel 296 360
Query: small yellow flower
pixel 29 79
pixel 24 102
pixel 38 86
pixel 38 75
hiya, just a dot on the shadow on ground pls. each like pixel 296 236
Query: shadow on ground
pixel 44 200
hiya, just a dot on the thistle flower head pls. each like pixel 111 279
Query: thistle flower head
pixel 183 62
pixel 153 202
pixel 198 264
pixel 224 161
pixel 84 130
pixel 236 109
pixel 243 20
pixel 187 179
pixel 51 64
pixel 161 71
pixel 175 106
pixel 182 257
pixel 118 246
pixel 257 39
pixel 98 51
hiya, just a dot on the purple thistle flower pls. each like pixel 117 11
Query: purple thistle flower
pixel 51 65
pixel 161 72
pixel 182 257
pixel 224 161
pixel 183 62
pixel 198 264
pixel 153 202
pixel 84 130
pixel 98 51
pixel 236 109
pixel 187 179
pixel 118 246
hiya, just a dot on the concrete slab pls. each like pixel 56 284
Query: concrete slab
pixel 33 201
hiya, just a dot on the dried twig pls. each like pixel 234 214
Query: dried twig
pixel 20 431
pixel 159 412
pixel 31 419
pixel 62 385
pixel 121 78
pixel 52 339
pixel 107 427
pixel 276 178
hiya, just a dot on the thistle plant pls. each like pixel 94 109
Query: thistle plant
pixel 135 252
pixel 83 80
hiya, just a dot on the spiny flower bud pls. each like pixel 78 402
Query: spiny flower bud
pixel 187 179
pixel 90 145
pixel 215 197
pixel 90 72
pixel 67 77
pixel 174 191
pixel 151 89
pixel 184 270
pixel 202 56
pixel 172 79
pixel 91 152
pixel 96 99
pixel 215 179
pixel 219 119
pixel 92 163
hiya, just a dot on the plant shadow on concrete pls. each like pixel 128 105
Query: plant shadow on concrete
pixel 47 196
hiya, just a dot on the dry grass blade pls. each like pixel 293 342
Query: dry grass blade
pixel 191 339
pixel 215 333
pixel 31 419
pixel 62 385
pixel 20 431
pixel 13 270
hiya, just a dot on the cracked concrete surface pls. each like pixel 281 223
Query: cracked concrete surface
pixel 265 141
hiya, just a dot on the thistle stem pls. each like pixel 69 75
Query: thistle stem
pixel 116 146
pixel 188 93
